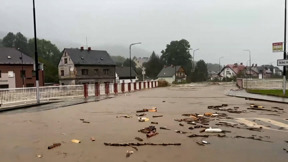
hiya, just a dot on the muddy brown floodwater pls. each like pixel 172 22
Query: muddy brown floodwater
pixel 26 136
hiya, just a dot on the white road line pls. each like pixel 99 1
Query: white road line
pixel 279 124
pixel 250 123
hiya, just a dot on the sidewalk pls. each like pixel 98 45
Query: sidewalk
pixel 244 94
pixel 53 104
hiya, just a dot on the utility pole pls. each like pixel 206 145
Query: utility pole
pixel 131 59
pixel 284 54
pixel 36 56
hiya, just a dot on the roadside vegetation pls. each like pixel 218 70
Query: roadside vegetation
pixel 269 92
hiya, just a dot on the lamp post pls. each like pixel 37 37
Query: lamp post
pixel 193 67
pixel 130 57
pixel 219 63
pixel 249 62
pixel 284 53
pixel 36 56
pixel 22 71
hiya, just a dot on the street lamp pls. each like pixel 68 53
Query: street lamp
pixel 22 71
pixel 219 63
pixel 36 56
pixel 193 67
pixel 130 57
pixel 249 61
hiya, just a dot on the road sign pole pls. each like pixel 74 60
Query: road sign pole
pixel 284 54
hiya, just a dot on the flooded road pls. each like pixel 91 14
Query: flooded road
pixel 28 133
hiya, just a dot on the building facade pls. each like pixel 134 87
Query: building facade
pixel 172 73
pixel 17 69
pixel 79 66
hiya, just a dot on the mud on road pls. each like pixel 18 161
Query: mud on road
pixel 191 122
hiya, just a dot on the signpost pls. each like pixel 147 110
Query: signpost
pixel 278 47
pixel 282 62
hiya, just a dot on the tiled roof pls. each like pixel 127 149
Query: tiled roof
pixel 168 71
pixel 92 57
pixel 13 56
pixel 125 72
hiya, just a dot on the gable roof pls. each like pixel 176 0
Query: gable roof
pixel 92 57
pixel 168 71
pixel 13 56
pixel 125 72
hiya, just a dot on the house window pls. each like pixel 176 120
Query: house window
pixel 96 71
pixel 62 72
pixel 65 60
pixel 106 71
pixel 84 71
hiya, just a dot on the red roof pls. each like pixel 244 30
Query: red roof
pixel 236 68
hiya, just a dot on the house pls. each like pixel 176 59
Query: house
pixel 231 70
pixel 17 69
pixel 79 66
pixel 123 75
pixel 169 73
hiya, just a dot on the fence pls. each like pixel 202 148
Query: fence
pixel 260 83
pixel 22 95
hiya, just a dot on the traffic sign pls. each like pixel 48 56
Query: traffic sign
pixel 282 62
pixel 277 47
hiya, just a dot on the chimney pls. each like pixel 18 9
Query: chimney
pixel 82 48
pixel 89 48
pixel 241 63
pixel 255 65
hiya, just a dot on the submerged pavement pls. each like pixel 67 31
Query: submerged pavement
pixel 26 135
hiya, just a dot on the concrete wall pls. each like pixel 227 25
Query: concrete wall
pixel 261 83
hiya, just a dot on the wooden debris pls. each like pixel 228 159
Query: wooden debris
pixel 54 145
pixel 157 116
pixel 252 138
pixel 142 144
pixel 139 139
pixel 198 135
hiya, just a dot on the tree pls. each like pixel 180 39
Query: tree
pixel 9 40
pixel 46 50
pixel 153 66
pixel 21 43
pixel 126 63
pixel 118 60
pixel 48 54
pixel 178 53
pixel 200 74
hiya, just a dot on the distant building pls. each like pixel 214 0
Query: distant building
pixel 231 70
pixel 123 75
pixel 169 73
pixel 79 66
pixel 260 72
pixel 140 61
pixel 17 69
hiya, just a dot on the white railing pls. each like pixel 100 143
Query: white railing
pixel 16 95
pixel 23 95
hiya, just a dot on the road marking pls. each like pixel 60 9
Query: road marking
pixel 250 123
pixel 279 124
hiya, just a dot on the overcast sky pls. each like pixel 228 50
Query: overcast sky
pixel 217 27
